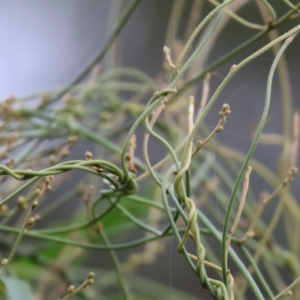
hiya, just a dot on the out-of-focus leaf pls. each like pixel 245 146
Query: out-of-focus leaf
pixel 12 288
pixel 51 251
pixel 25 268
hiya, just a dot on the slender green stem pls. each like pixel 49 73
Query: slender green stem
pixel 116 264
pixel 163 142
pixel 17 242
pixel 19 190
pixel 257 272
pixel 292 285
pixel 196 52
pixel 121 246
pixel 241 20
pixel 270 9
pixel 249 155
pixel 192 38
pixel 292 6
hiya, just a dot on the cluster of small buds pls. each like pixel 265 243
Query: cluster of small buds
pixel 73 290
pixel 47 182
pixel 223 114
pixel 48 179
pixel 45 187
pixel 290 175
pixel 22 202
pixel 90 278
